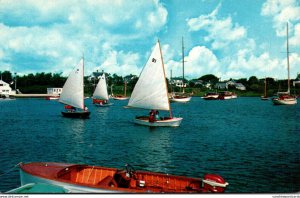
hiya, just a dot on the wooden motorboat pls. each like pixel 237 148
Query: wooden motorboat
pixel 32 188
pixel 95 179
pixel 226 95
pixel 211 96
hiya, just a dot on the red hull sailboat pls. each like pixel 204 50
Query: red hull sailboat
pixel 87 179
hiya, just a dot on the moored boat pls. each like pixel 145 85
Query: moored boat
pixel 6 97
pixel 211 96
pixel 226 95
pixel 119 97
pixel 181 97
pixel 95 179
pixel 285 98
pixel 265 97
pixel 52 98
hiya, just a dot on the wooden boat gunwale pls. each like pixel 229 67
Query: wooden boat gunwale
pixel 57 171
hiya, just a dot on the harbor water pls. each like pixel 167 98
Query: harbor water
pixel 252 144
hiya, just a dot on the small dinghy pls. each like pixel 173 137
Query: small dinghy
pixel 73 94
pixel 151 92
pixel 100 95
pixel 95 179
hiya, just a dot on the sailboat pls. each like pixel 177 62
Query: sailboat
pixel 265 97
pixel 284 98
pixel 181 97
pixel 151 92
pixel 73 94
pixel 121 97
pixel 100 95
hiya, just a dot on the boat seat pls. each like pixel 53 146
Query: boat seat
pixel 108 181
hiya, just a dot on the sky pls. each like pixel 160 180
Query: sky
pixel 230 39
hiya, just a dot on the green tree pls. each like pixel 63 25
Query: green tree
pixel 252 80
pixel 6 76
pixel 209 78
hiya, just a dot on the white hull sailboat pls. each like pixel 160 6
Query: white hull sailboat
pixel 286 98
pixel 265 97
pixel 169 122
pixel 100 95
pixel 121 97
pixel 182 97
pixel 151 92
pixel 73 94
pixel 285 101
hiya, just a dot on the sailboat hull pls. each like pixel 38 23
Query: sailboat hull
pixel 120 98
pixel 264 98
pixel 104 105
pixel 144 120
pixel 81 114
pixel 291 101
pixel 179 99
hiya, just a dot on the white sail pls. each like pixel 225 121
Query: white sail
pixel 101 89
pixel 150 92
pixel 72 93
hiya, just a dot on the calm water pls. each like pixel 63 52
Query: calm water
pixel 254 145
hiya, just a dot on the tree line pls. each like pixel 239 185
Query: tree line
pixel 39 82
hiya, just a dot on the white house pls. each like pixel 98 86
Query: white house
pixel 54 91
pixel 177 82
pixel 240 86
pixel 5 89
pixel 224 85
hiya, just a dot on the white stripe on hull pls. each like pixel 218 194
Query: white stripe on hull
pixel 72 188
pixel 104 105
pixel 284 102
pixel 174 122
pixel 180 99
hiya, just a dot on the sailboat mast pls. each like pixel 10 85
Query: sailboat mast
pixel 265 87
pixel 182 66
pixel 83 79
pixel 125 84
pixel 287 55
pixel 163 66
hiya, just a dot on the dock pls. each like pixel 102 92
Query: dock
pixel 32 95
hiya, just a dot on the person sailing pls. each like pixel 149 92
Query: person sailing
pixel 152 116
pixel 157 115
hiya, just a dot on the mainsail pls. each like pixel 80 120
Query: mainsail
pixel 72 93
pixel 150 92
pixel 101 89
